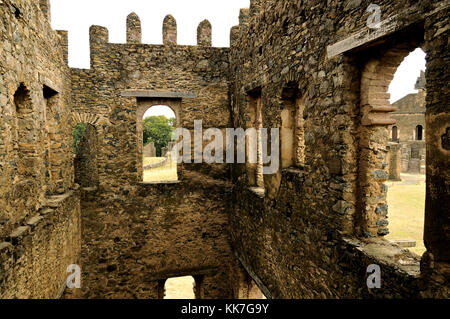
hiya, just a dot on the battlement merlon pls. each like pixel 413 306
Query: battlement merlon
pixel 98 37
pixel 234 35
pixel 134 29
pixel 204 34
pixel 98 34
pixel 169 30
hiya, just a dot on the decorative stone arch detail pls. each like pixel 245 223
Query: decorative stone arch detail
pixel 89 118
pixel 291 77
pixel 376 77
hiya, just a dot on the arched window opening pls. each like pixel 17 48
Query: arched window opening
pixel 159 164
pixel 419 132
pixel 180 288
pixel 26 136
pixel 394 135
pixel 85 144
pixel 406 195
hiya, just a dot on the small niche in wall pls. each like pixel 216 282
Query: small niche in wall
pixel 292 127
pixel 394 133
pixel 419 132
pixel 254 158
pixel 26 138
pixel 52 138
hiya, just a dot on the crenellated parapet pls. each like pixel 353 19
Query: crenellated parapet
pixel 98 35
pixel 100 47
pixel 134 29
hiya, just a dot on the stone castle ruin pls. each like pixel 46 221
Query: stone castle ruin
pixel 315 69
pixel 407 147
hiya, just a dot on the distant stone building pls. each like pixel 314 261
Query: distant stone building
pixel 407 136
pixel 150 150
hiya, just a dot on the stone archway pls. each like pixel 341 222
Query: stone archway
pixel 373 133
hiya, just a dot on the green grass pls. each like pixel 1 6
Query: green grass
pixel 407 210
pixel 166 173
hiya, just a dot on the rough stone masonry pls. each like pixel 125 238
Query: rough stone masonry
pixel 312 68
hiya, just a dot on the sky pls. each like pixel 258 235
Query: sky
pixel 76 16
pixel 160 110
pixel 406 76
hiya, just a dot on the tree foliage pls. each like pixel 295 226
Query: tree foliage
pixel 158 129
pixel 78 133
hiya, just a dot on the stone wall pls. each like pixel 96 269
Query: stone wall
pixel 311 230
pixel 39 211
pixel 320 225
pixel 154 232
pixel 136 235
pixel 35 257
